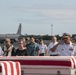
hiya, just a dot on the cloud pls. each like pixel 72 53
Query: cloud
pixel 46 15
pixel 58 13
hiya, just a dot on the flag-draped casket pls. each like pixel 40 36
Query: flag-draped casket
pixel 44 65
pixel 10 68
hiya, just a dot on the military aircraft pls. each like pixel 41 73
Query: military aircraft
pixel 13 37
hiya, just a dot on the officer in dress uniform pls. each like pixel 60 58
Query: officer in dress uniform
pixel 65 47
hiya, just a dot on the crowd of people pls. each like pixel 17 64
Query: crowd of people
pixel 64 47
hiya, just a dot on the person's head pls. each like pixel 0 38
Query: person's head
pixel 54 39
pixel 66 38
pixel 21 44
pixel 32 40
pixel 24 40
pixel 41 41
pixel 7 41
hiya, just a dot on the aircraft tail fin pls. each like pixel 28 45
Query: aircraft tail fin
pixel 19 29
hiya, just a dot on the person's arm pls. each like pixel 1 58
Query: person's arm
pixel 7 50
pixel 1 52
pixel 13 51
pixel 38 53
pixel 55 47
pixel 27 52
pixel 46 50
pixel 38 50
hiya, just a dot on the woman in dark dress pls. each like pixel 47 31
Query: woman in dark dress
pixel 21 51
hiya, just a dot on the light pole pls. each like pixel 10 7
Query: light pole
pixel 51 29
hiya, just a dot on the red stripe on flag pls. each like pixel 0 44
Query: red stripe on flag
pixel 17 68
pixel 5 67
pixel 74 61
pixel 12 68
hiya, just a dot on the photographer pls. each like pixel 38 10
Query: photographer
pixel 65 47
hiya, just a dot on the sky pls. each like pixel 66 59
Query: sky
pixel 37 16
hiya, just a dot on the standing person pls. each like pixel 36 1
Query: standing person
pixel 21 51
pixel 65 47
pixel 51 45
pixel 8 48
pixel 33 48
pixel 43 48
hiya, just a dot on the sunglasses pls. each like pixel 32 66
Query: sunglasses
pixel 7 41
pixel 20 43
pixel 65 37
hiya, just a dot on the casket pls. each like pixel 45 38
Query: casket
pixel 10 68
pixel 45 65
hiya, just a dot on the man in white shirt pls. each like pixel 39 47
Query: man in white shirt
pixel 51 45
pixel 66 48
